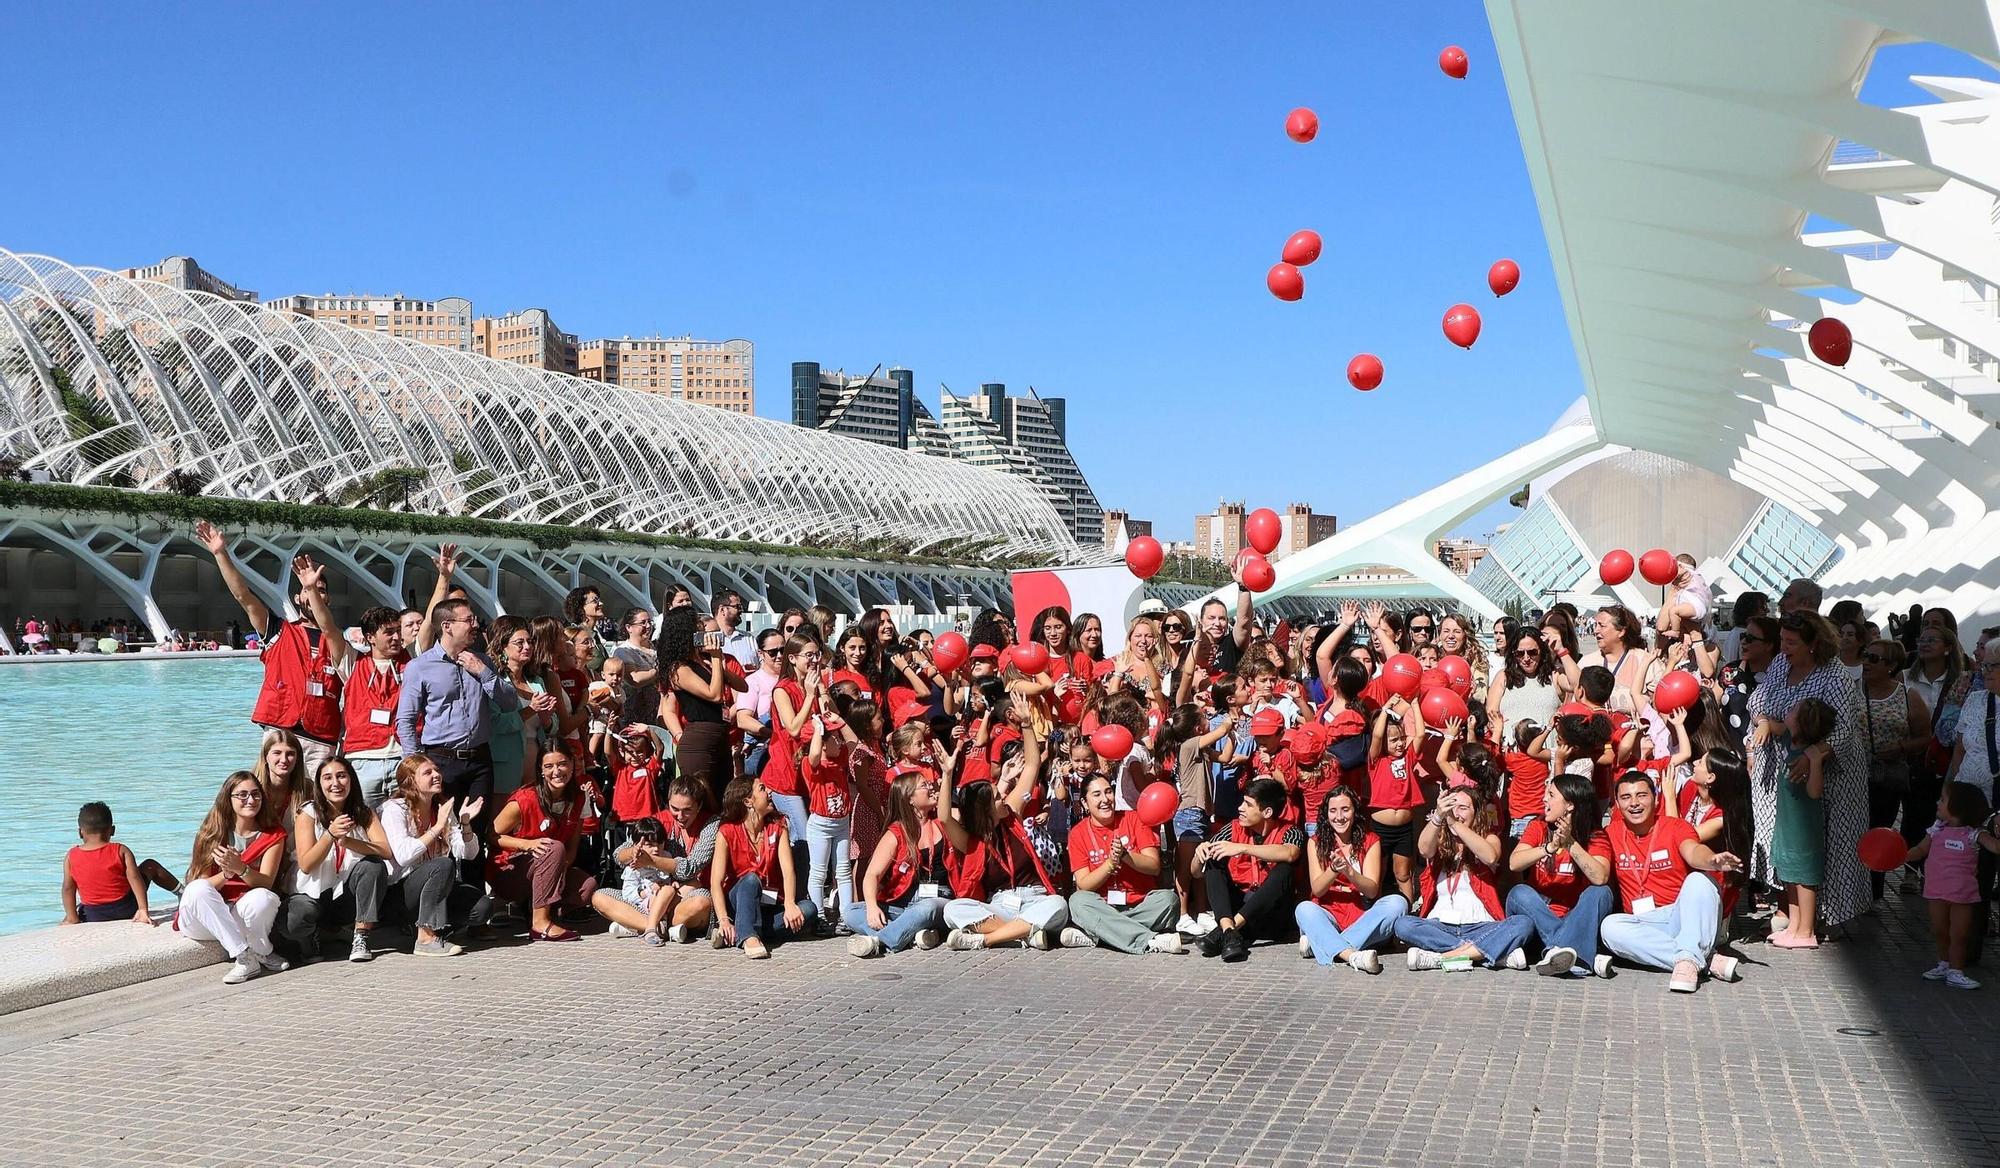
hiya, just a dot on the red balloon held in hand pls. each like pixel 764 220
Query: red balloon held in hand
pixel 1616 567
pixel 1365 371
pixel 1882 849
pixel 1830 340
pixel 1285 282
pixel 1457 673
pixel 1031 658
pixel 1677 689
pixel 1070 706
pixel 1112 742
pixel 1158 802
pixel 1302 248
pixel 1144 556
pixel 1454 62
pixel 1259 575
pixel 1503 276
pixel 1440 706
pixel 1402 675
pixel 1302 125
pixel 1658 567
pixel 949 651
pixel 1263 529
pixel 1461 325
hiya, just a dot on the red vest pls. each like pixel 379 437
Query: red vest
pixel 747 855
pixel 1482 886
pixel 536 823
pixel 968 868
pixel 781 764
pixel 1341 899
pixel 293 667
pixel 367 691
pixel 1248 872
pixel 906 868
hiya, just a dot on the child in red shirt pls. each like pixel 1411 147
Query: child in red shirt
pixel 634 775
pixel 101 879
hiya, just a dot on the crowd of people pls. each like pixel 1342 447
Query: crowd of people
pixel 1217 783
pixel 38 635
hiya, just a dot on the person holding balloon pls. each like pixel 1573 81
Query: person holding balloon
pixel 1949 853
pixel 1000 890
pixel 1114 858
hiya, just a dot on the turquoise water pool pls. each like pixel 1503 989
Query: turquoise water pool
pixel 151 738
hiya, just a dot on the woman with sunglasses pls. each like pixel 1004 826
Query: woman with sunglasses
pixel 1527 688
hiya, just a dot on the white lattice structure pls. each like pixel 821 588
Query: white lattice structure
pixel 258 404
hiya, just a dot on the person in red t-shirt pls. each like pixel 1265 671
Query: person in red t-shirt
pixel 1348 914
pixel 1394 792
pixel 1670 920
pixel 1564 863
pixel 1115 858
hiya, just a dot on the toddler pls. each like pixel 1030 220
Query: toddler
pixel 1950 855
pixel 101 879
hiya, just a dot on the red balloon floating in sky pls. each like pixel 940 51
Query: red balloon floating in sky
pixel 1263 529
pixel 1503 276
pixel 1302 248
pixel 1831 341
pixel 1365 371
pixel 1144 556
pixel 1461 325
pixel 1454 61
pixel 1302 125
pixel 1285 282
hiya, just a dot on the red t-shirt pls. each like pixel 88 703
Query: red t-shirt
pixel 1342 900
pixel 829 786
pixel 1723 883
pixel 99 874
pixel 1650 865
pixel 1392 782
pixel 1090 845
pixel 1556 877
pixel 1605 778
pixel 860 682
pixel 632 790
pixel 1527 779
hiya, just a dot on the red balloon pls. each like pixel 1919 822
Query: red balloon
pixel 1658 566
pixel 1402 675
pixel 1457 673
pixel 1882 849
pixel 1031 658
pixel 949 651
pixel 1263 529
pixel 1158 802
pixel 1302 248
pixel 1302 125
pixel 1432 678
pixel 1112 742
pixel 1441 705
pixel 1070 706
pixel 1285 282
pixel 1144 556
pixel 1616 567
pixel 1831 341
pixel 1365 371
pixel 1461 325
pixel 1677 690
pixel 1453 61
pixel 1503 276
pixel 1259 575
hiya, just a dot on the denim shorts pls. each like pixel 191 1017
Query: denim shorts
pixel 1191 823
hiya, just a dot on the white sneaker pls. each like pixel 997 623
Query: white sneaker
pixel 965 940
pixel 1601 966
pixel 1188 925
pixel 1041 939
pixel 618 930
pixel 1937 972
pixel 928 939
pixel 1422 959
pixel 1366 961
pixel 678 934
pixel 1957 980
pixel 860 946
pixel 243 969
pixel 1556 961
pixel 1204 924
pixel 1517 960
pixel 1723 968
pixel 1166 943
pixel 1306 948
pixel 1074 938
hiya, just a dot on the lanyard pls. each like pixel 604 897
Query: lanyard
pixel 1992 746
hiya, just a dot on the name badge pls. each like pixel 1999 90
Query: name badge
pixel 1662 855
pixel 930 891
pixel 1642 904
pixel 316 689
pixel 544 827
pixel 1565 868
pixel 1115 899
pixel 379 717
pixel 639 774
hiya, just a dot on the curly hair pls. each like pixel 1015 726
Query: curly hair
pixel 676 643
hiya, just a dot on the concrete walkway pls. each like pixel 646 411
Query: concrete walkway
pixel 608 1052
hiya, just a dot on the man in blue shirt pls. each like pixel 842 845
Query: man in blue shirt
pixel 447 688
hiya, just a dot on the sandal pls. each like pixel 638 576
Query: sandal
pixel 565 935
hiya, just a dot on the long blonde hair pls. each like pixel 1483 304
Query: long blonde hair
pixel 220 822
pixel 301 784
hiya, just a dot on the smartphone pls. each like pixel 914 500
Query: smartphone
pixel 712 640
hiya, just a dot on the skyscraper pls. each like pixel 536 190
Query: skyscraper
pixel 1026 436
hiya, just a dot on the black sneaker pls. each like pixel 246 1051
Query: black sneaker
pixel 1234 947
pixel 1211 942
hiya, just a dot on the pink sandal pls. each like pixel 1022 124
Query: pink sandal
pixel 1787 941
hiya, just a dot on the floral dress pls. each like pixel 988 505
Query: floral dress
pixel 1845 893
pixel 867 772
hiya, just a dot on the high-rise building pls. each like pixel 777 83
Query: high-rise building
pixel 1459 554
pixel 879 408
pixel 1118 523
pixel 1026 436
pixel 716 373
pixel 183 273
pixel 446 322
pixel 527 337
pixel 1219 536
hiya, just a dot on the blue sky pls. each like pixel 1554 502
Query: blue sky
pixel 1082 198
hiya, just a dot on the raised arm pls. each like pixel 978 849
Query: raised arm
pixel 311 576
pixel 232 577
pixel 447 564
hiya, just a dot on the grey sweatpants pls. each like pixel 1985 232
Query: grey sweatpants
pixel 1126 929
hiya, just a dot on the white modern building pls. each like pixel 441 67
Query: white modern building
pixel 1710 185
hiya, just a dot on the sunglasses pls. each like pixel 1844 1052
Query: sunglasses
pixel 1874 659
pixel 1420 628
pixel 1527 652
pixel 772 651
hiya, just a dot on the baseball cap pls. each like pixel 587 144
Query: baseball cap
pixel 1267 721
pixel 985 653
pixel 1152 606
pixel 1306 743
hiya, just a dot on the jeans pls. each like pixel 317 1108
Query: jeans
pixel 1494 939
pixel 243 926
pixel 753 918
pixel 905 921
pixel 1031 903
pixel 1670 934
pixel 1376 925
pixel 437 900
pixel 793 807
pixel 826 844
pixel 377 778
pixel 1127 928
pixel 365 884
pixel 1577 930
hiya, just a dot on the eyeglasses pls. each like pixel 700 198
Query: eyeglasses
pixel 1874 659
pixel 1754 639
pixel 250 796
